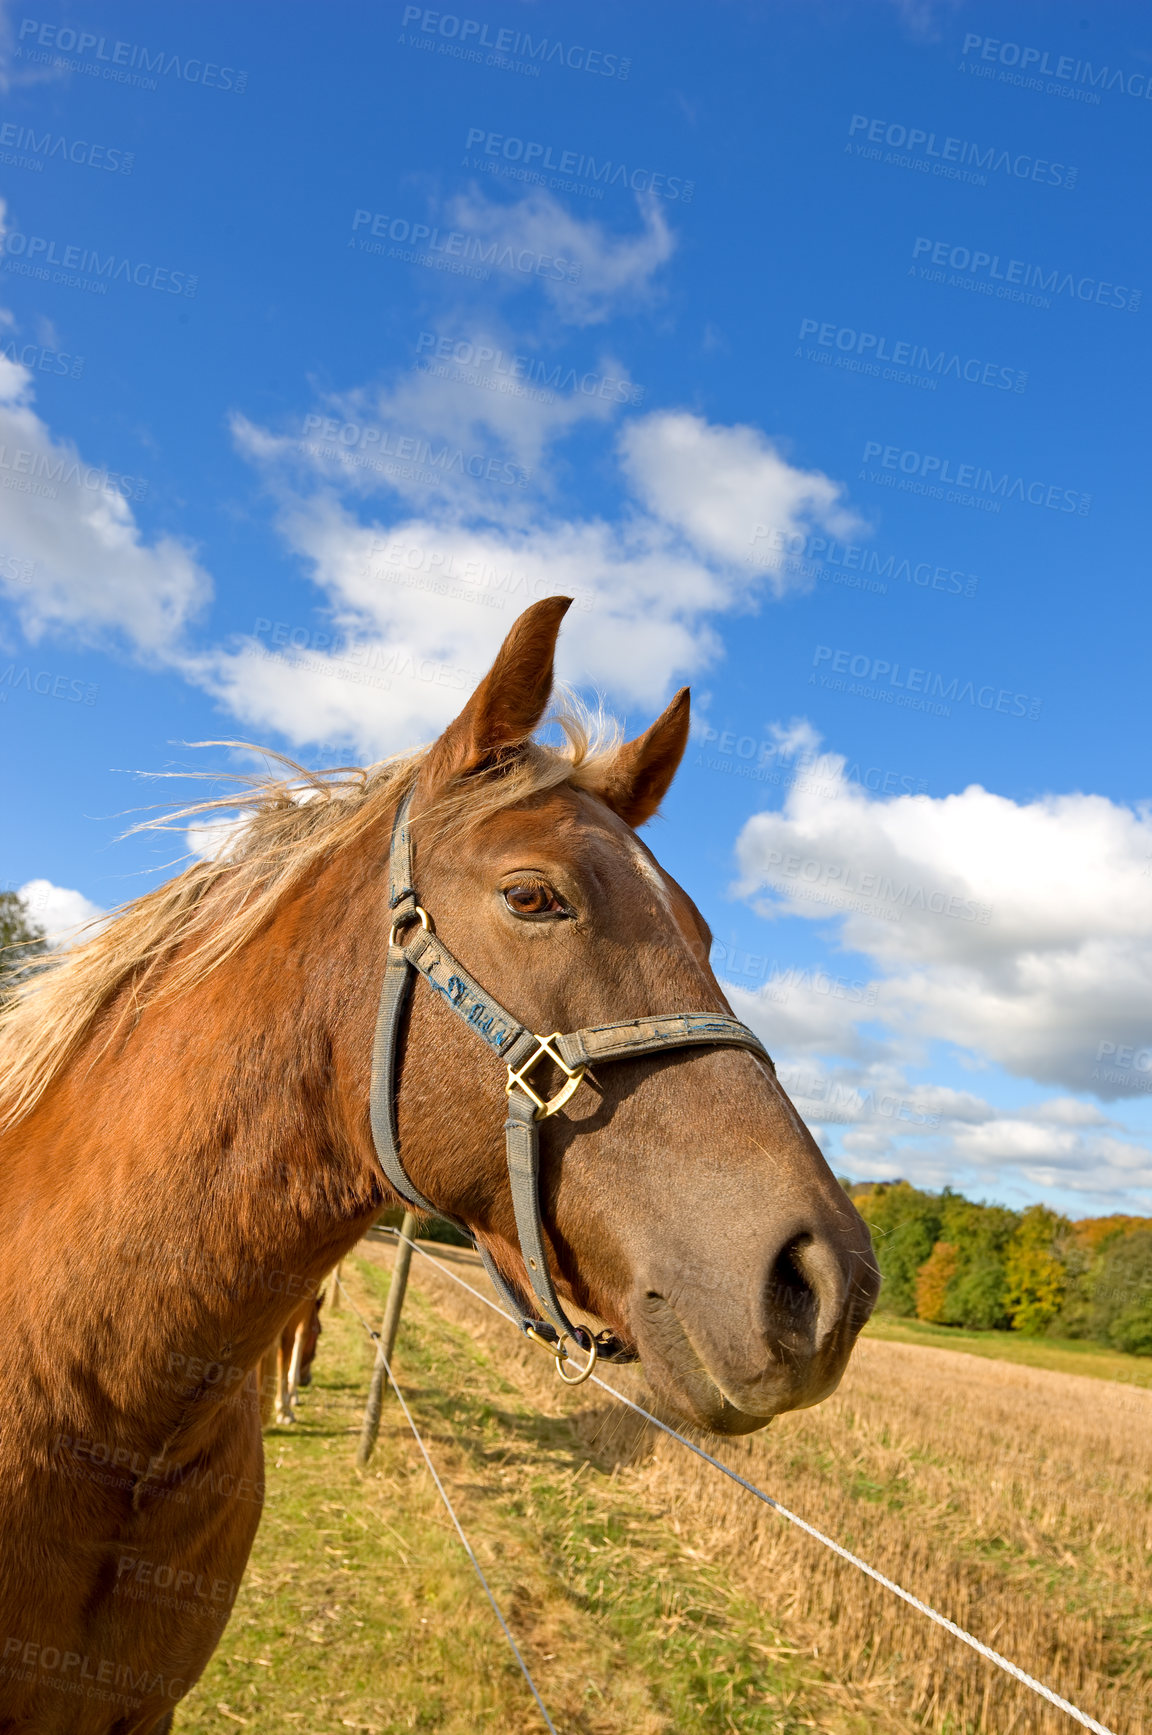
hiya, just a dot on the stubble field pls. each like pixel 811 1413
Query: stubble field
pixel 649 1595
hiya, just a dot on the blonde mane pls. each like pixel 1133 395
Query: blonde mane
pixel 288 826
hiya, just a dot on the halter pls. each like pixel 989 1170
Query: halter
pixel 521 1050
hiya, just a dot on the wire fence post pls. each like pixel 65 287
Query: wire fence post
pixel 387 1340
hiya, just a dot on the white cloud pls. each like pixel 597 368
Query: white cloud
pixel 715 485
pixel 1099 1166
pixel 15 72
pixel 797 739
pixel 1021 932
pixel 877 1124
pixel 77 561
pixel 491 402
pixel 442 433
pixel 465 447
pixel 1069 1111
pixel 806 1018
pixel 614 272
pixel 416 609
pixel 59 910
pixel 927 20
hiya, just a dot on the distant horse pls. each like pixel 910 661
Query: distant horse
pixel 288 1364
pixel 188 1150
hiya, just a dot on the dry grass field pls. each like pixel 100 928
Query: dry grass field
pixel 653 1597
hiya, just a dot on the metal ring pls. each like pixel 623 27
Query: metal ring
pixel 584 1373
pixel 425 923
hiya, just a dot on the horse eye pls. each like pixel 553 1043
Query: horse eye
pixel 533 900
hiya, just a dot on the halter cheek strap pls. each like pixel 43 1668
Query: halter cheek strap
pixel 416 950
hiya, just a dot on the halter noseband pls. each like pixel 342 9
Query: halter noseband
pixel 521 1050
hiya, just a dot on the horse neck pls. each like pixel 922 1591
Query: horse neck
pixel 185 1185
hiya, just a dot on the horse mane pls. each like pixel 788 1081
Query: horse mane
pixel 173 937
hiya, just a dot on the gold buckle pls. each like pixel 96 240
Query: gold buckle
pixel 424 919
pixel 518 1080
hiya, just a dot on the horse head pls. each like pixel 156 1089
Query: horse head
pixel 685 1204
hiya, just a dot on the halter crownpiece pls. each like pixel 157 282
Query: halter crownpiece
pixel 521 1050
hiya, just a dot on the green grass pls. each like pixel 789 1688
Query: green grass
pixel 361 1611
pixel 1064 1355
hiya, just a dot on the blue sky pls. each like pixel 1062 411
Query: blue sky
pixel 805 344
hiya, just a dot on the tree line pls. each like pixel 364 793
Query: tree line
pixel 21 941
pixel 947 1259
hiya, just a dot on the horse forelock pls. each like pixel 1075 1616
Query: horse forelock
pixel 173 937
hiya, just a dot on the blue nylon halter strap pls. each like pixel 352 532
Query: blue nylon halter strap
pixel 422 953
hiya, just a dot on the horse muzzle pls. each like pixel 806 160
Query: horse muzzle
pixel 730 1362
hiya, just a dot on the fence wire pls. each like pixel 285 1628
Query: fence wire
pixel 443 1493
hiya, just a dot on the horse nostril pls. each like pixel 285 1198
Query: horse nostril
pixel 790 1297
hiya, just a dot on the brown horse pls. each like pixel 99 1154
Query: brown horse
pixel 188 1151
pixel 287 1366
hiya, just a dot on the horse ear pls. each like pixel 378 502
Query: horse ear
pixel 508 703
pixel 636 778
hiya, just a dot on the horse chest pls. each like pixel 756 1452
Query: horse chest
pixel 117 1592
